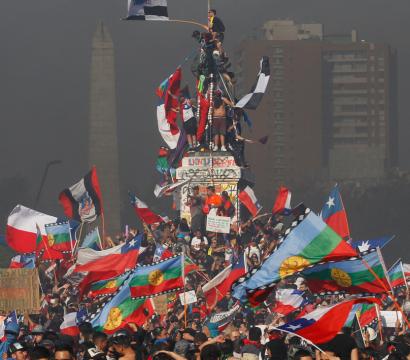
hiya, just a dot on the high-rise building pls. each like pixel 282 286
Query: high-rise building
pixel 330 108
pixel 103 141
pixel 360 118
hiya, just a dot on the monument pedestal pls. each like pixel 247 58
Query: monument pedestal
pixel 205 168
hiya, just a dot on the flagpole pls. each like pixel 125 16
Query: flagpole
pixel 301 337
pixel 103 226
pixel 379 322
pixel 396 304
pixel 77 244
pixel 183 280
pixel 360 328
pixel 189 22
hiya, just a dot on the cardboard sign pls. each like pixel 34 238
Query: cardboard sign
pixel 161 304
pixel 389 318
pixel 189 297
pixel 19 290
pixel 218 224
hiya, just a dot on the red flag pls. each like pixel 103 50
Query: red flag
pixel 143 212
pixel 203 116
pixel 282 202
pixel 172 100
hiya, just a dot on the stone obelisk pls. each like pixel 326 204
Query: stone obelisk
pixel 103 140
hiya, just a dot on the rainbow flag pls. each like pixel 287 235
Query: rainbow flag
pixel 347 277
pixel 310 241
pixel 396 275
pixel 159 278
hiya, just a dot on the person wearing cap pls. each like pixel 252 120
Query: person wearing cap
pixel 38 334
pixel 18 351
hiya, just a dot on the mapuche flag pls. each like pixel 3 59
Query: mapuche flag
pixel 396 275
pixel 59 236
pixel 120 311
pixel 322 324
pixel 334 214
pixel 83 201
pixel 348 277
pixel 156 279
pixel 107 287
pixel 310 241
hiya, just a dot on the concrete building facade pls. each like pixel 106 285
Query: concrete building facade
pixel 103 140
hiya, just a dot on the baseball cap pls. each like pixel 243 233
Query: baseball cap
pixel 16 347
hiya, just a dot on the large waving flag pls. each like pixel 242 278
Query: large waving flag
pixel 248 198
pixel 216 289
pixel 396 275
pixel 310 241
pixel 282 204
pixel 83 201
pixel 143 212
pixel 347 277
pixel 255 96
pixel 334 214
pixel 69 325
pixel 147 10
pixel 21 233
pixel 156 279
pixel 371 244
pixel 120 311
pixel 119 258
pixel 288 300
pixel 322 324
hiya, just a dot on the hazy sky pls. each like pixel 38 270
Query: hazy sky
pixel 45 65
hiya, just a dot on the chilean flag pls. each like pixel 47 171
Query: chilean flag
pixel 143 212
pixel 216 289
pixel 282 203
pixel 288 300
pixel 406 269
pixel 21 233
pixel 69 325
pixel 323 323
pixel 248 198
pixel 25 261
pixel 334 214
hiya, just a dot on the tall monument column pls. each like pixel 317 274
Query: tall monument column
pixel 103 140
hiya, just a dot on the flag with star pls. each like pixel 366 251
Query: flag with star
pixel 308 242
pixel 158 278
pixel 365 245
pixel 323 323
pixel 334 214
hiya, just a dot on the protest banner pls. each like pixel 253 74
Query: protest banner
pixel 160 303
pixel 218 224
pixel 19 290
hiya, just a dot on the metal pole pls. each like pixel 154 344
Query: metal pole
pixel 43 179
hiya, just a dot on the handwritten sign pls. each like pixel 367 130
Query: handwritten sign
pixel 188 298
pixel 218 224
pixel 389 318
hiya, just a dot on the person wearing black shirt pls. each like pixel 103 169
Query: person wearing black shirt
pixel 343 346
pixel 216 26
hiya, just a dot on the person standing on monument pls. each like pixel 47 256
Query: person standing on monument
pixel 212 201
pixel 219 120
pixel 195 203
